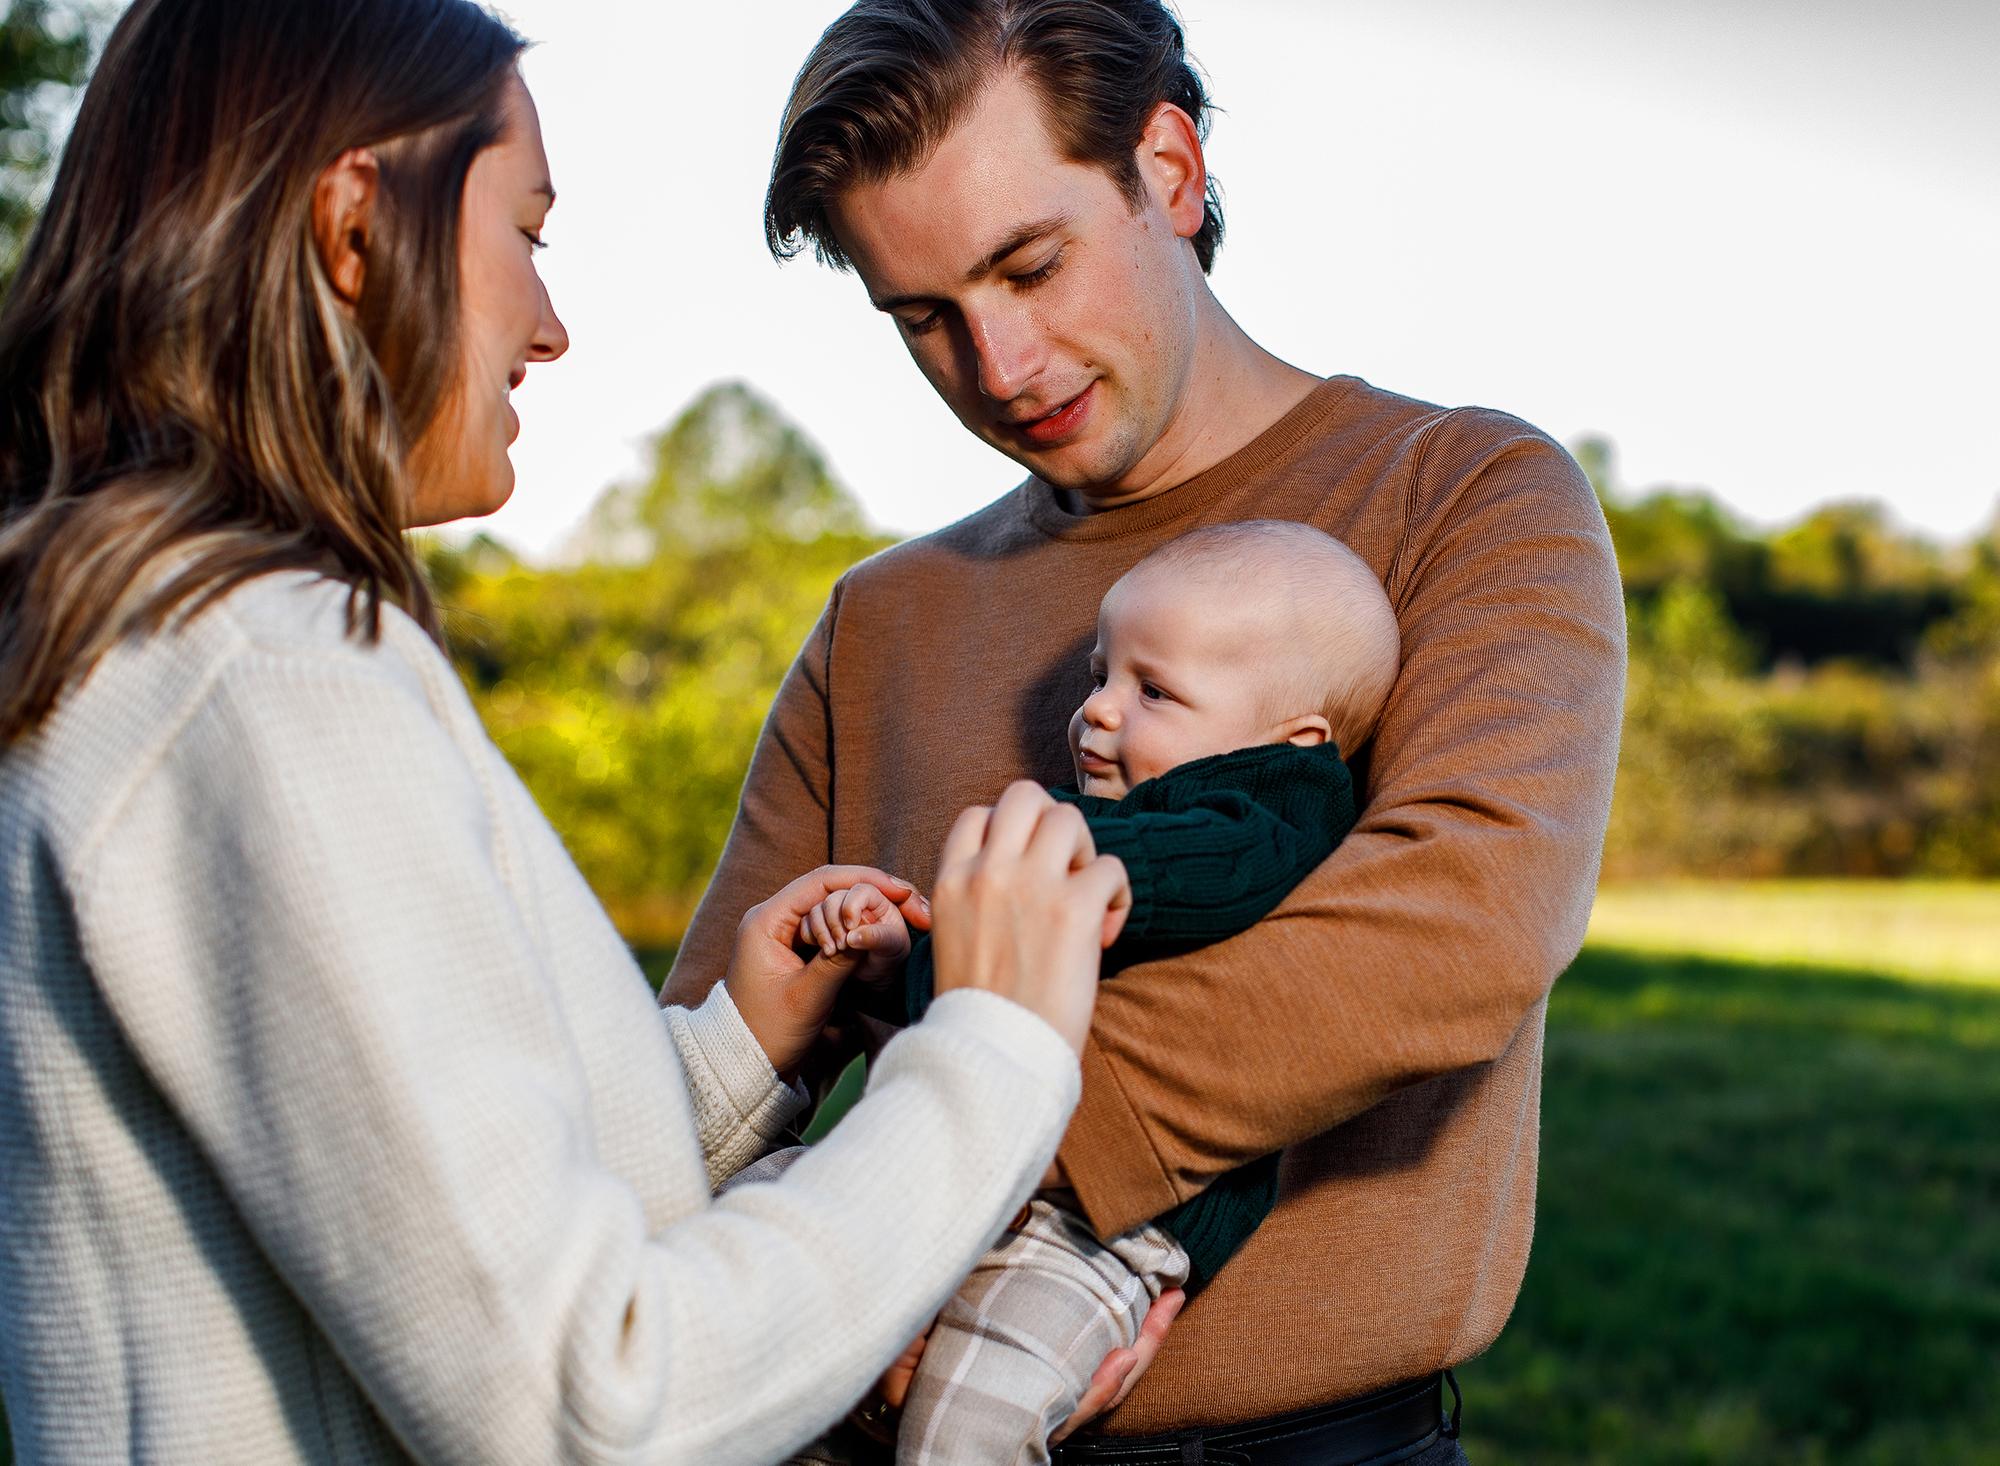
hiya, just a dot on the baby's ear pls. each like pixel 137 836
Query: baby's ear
pixel 1308 730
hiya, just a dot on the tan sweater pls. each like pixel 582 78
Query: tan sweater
pixel 1385 1023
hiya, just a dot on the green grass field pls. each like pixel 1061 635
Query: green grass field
pixel 1769 1224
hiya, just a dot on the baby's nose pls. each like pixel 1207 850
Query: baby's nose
pixel 1100 710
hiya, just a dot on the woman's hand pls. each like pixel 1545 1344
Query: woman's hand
pixel 783 998
pixel 1025 905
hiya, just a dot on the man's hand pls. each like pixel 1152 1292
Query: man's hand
pixel 784 999
pixel 860 919
pixel 1121 1368
pixel 1112 1382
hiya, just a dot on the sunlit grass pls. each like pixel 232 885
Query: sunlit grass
pixel 1938 931
pixel 1769 1220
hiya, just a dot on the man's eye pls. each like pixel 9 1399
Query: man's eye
pixel 923 325
pixel 1043 272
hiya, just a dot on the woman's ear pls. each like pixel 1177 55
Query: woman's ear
pixel 343 212
pixel 1308 730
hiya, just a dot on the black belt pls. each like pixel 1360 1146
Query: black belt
pixel 1376 1429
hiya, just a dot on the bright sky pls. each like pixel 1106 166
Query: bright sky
pixel 1752 243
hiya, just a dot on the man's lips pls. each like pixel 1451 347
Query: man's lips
pixel 1044 432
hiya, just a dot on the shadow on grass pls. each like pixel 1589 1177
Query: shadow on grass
pixel 1769 1224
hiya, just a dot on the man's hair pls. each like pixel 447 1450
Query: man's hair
pixel 890 78
pixel 1338 649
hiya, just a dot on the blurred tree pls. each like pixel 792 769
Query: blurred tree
pixel 731 469
pixel 628 689
pixel 45 50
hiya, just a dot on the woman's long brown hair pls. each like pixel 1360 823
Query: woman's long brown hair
pixel 185 403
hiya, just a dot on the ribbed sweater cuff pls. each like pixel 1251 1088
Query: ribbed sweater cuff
pixel 737 1064
pixel 1024 1038
pixel 1108 1158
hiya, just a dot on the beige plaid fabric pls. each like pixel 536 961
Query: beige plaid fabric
pixel 1014 1349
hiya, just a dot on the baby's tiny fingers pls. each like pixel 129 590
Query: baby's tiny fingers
pixel 858 902
pixel 822 933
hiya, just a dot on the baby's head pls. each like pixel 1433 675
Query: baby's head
pixel 1264 631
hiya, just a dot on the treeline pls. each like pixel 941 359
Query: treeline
pixel 1820 700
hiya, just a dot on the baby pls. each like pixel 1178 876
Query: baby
pixel 1234 668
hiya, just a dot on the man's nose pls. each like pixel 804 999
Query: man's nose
pixel 1009 351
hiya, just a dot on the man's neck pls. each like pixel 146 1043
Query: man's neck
pixel 1235 390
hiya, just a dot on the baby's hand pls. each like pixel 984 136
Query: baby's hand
pixel 863 921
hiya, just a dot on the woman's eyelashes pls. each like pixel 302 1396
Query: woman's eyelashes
pixel 536 244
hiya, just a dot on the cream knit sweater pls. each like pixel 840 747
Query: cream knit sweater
pixel 337 1125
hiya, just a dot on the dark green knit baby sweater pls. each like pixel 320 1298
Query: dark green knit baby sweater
pixel 1211 847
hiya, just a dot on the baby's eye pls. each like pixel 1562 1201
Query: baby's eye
pixel 1096 679
pixel 1153 692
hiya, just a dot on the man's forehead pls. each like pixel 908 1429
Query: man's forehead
pixel 993 183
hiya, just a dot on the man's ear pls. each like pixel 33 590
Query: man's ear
pixel 343 213
pixel 1308 730
pixel 1176 173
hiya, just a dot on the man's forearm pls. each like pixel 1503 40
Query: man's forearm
pixel 1434 931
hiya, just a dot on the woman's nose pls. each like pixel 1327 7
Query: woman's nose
pixel 551 336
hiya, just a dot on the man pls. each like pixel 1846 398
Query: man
pixel 1020 185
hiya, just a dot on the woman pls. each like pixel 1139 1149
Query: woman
pixel 335 1122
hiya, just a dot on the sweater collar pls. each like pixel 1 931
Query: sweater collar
pixel 1043 505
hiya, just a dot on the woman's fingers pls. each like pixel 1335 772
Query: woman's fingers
pixel 1107 874
pixel 1024 903
pixel 963 844
pixel 1017 817
pixel 1061 839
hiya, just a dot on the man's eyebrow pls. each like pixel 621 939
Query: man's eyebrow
pixel 1020 239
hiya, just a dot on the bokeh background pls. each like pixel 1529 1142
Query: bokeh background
pixel 1741 258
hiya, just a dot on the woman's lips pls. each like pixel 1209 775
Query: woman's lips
pixel 1046 432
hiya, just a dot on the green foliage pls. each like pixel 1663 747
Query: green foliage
pixel 1820 701
pixel 45 50
pixel 1765 1229
pixel 1840 584
pixel 628 691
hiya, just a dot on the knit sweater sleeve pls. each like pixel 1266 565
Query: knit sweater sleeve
pixel 740 1106
pixel 300 921
pixel 1213 846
